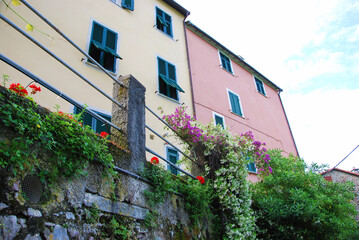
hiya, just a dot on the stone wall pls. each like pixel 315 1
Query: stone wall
pixel 341 176
pixel 94 205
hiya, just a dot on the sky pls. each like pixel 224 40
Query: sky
pixel 309 48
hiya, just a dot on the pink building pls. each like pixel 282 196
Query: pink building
pixel 230 92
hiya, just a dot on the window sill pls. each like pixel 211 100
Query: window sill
pixel 97 68
pixel 242 116
pixel 169 36
pixel 168 98
pixel 264 95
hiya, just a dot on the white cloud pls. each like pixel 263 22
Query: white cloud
pixel 325 124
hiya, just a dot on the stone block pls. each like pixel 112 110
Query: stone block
pixel 10 227
pixel 120 208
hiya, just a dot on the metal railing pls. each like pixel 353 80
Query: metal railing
pixel 72 101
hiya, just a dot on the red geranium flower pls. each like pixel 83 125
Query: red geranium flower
pixel 104 134
pixel 16 87
pixel 155 160
pixel 34 88
pixel 200 179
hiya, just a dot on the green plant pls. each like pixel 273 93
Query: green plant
pixel 69 146
pixel 150 221
pixel 5 78
pixel 296 203
pixel 92 214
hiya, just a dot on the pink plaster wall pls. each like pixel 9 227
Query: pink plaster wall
pixel 263 115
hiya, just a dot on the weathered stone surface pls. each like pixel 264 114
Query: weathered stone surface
pixel 70 216
pixel 75 192
pixel 131 119
pixel 33 213
pixel 35 237
pixel 3 206
pixel 60 233
pixel 9 228
pixel 73 232
pixel 121 208
pixel 22 222
pixel 93 183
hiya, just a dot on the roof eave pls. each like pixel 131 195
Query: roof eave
pixel 178 7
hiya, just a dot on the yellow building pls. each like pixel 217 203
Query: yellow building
pixel 144 38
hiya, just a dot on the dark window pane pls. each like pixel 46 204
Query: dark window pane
pixel 173 93
pixel 163 87
pixel 95 53
pixel 109 61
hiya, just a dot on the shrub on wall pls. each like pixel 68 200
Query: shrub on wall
pixel 69 145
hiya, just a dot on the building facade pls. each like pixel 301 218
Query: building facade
pixel 341 176
pixel 229 92
pixel 144 38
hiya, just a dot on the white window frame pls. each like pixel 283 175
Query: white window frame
pixel 88 43
pixel 214 114
pixel 230 62
pixel 255 85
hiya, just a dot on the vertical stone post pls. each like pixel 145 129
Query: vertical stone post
pixel 131 119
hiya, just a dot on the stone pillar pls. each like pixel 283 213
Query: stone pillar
pixel 131 119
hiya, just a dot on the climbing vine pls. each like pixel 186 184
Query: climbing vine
pixel 226 166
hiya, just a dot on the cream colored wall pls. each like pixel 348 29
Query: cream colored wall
pixel 139 44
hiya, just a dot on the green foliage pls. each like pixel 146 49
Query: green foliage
pixel 68 144
pixel 295 203
pixel 92 215
pixel 117 229
pixel 197 196
pixel 150 221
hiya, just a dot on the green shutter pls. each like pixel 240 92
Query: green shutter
pixel 236 108
pixel 172 156
pixel 129 4
pixel 171 83
pixel 113 53
pixel 97 33
pixel 162 67
pixel 111 39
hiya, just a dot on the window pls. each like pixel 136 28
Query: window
pixel 95 124
pixel 167 79
pixel 260 86
pixel 235 103
pixel 164 22
pixel 129 4
pixel 103 47
pixel 226 62
pixel 218 119
pixel 172 156
pixel 252 167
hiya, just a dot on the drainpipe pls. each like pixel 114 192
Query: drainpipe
pixel 189 64
pixel 290 130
